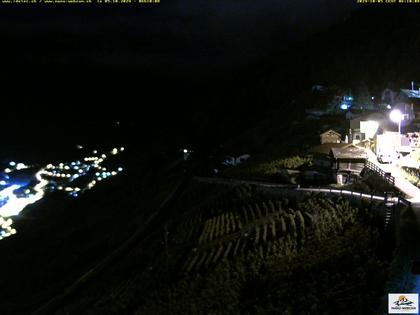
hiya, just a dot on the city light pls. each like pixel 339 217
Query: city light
pixel 21 166
pixel 14 197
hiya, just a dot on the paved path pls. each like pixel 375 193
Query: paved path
pixel 401 278
pixel 401 183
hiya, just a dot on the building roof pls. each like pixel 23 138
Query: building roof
pixel 411 93
pixel 329 132
pixel 349 151
pixel 326 148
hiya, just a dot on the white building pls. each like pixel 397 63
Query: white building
pixel 362 128
pixel 391 143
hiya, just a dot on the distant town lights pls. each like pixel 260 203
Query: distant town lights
pixel 21 166
pixel 51 177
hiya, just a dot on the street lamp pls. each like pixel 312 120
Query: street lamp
pixel 396 117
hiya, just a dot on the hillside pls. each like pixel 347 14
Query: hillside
pixel 234 250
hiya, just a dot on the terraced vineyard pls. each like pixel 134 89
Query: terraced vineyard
pixel 235 249
pixel 257 249
pixel 241 222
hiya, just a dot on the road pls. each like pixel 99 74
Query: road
pixel 401 183
pixel 401 278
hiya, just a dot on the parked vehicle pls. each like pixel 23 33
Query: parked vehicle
pixel 385 158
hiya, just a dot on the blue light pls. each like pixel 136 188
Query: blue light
pixel 3 183
pixel 344 106
pixel 12 163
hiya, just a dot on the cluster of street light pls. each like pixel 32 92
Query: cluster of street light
pixel 64 174
pixel 13 166
pixel 6 228
pixel 61 177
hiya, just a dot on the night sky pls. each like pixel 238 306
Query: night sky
pixel 65 66
pixel 183 33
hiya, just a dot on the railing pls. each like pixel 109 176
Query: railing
pixel 343 192
pixel 404 202
pixel 384 198
pixel 387 176
pixel 390 201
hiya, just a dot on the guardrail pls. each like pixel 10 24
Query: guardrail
pixel 390 201
pixel 343 192
pixel 375 168
pixel 404 202
pixel 384 198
